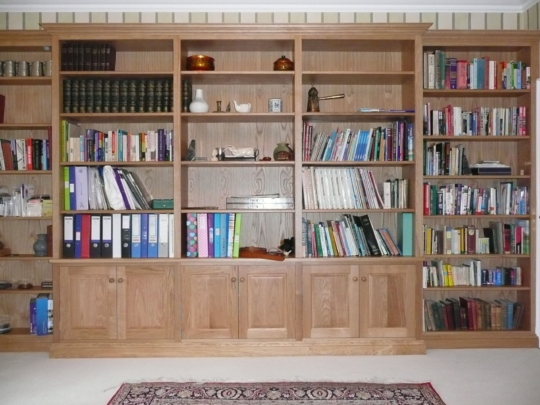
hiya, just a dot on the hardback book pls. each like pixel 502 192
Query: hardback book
pixel 75 95
pixel 230 234
pixel 80 56
pixel 95 57
pixel 132 96
pixel 192 248
pixel 87 56
pixel 140 102
pixel 405 230
pixel 123 96
pixel 158 96
pixel 66 92
pixel 202 233
pixel 150 89
pixel 98 95
pixel 364 222
pixel 210 222
pixel 115 96
pixel 106 96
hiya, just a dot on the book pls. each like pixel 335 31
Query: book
pixel 192 248
pixel 405 232
pixel 364 222
pixel 237 227
pixel 42 314
pixel 202 234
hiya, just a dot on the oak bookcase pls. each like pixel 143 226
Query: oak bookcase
pixel 213 307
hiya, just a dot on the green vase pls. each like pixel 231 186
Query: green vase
pixel 283 152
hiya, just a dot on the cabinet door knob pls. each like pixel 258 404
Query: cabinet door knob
pixel 111 280
pixel 120 280
pixel 242 279
pixel 233 280
pixel 355 279
pixel 364 279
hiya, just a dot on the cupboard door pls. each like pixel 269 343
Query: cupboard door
pixel 88 302
pixel 387 301
pixel 331 301
pixel 209 302
pixel 266 303
pixel 145 302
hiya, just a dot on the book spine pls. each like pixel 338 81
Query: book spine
pixel 191 235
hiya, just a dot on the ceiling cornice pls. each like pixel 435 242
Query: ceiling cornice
pixel 207 8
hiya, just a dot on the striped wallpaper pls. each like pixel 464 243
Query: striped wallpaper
pixel 528 20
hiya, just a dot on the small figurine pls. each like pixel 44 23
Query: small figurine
pixel 228 109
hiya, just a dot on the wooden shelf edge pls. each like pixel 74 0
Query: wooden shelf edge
pixel 186 348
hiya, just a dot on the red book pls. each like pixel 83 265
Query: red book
pixel 8 155
pixel 29 154
pixel 85 236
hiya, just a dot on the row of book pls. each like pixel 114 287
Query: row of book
pixel 392 143
pixel 497 238
pixel 103 188
pixel 461 199
pixel 437 273
pixel 25 154
pixel 467 313
pixel 443 159
pixel 350 188
pixel 139 235
pixel 483 121
pixel 94 95
pixel 442 72
pixel 120 146
pixel 213 234
pixel 77 56
pixel 354 235
pixel 41 314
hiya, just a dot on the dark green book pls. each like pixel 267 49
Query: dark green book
pixel 115 96
pixel 90 95
pixel 80 65
pixel 158 96
pixel 64 57
pixel 102 56
pixel 166 96
pixel 140 106
pixel 75 57
pixel 66 88
pixel 95 57
pixel 87 56
pixel 132 96
pixel 186 95
pixel 106 99
pixel 75 96
pixel 123 96
pixel 98 96
pixel 150 88
pixel 69 60
pixel 82 95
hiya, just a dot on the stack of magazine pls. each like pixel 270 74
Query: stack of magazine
pixel 264 201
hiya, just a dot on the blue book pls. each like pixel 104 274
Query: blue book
pixel 224 231
pixel 405 233
pixel 78 231
pixel 72 194
pixel 217 234
pixel 136 235
pixel 152 235
pixel 144 235
pixel 330 146
pixel 42 314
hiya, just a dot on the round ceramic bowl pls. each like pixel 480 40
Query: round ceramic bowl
pixel 199 62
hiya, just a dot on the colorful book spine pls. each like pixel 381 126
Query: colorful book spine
pixel 191 235
pixel 202 233
pixel 210 220
pixel 236 239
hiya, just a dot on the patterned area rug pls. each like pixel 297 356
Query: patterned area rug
pixel 279 393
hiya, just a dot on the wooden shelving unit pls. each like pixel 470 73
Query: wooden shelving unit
pixel 181 306
pixel 517 151
pixel 27 115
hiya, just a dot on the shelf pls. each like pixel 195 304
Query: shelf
pixel 475 138
pixel 97 212
pixel 116 75
pixel 33 290
pixel 25 80
pixel 238 77
pixel 24 126
pixel 475 93
pixel 131 164
pixel 28 257
pixel 236 117
pixel 25 218
pixel 24 172
pixel 480 256
pixel 313 78
pixel 440 217
pixel 360 163
pixel 367 211
pixel 195 210
pixel 483 288
pixel 236 163
pixel 121 117
pixel 354 116
pixel 25 334
pixel 475 177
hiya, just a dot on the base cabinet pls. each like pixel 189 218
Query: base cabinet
pixel 116 302
pixel 230 302
pixel 350 301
